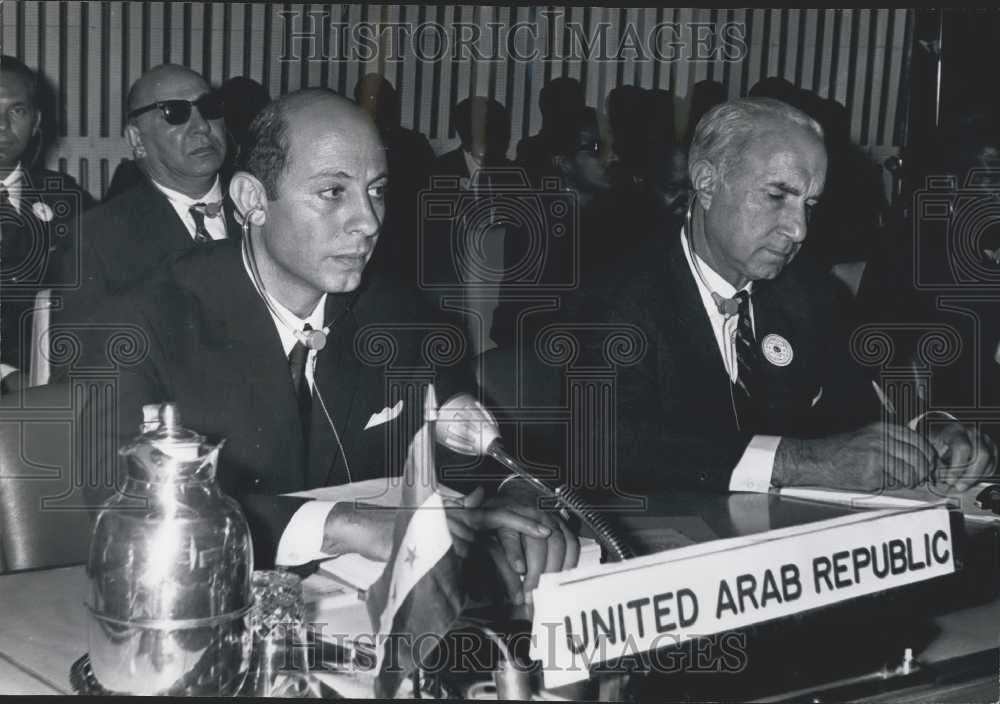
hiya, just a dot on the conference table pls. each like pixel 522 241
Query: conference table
pixel 43 619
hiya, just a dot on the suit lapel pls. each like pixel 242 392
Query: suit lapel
pixel 338 374
pixel 792 387
pixel 27 243
pixel 246 333
pixel 133 253
pixel 698 360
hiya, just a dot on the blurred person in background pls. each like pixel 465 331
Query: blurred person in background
pixel 39 217
pixel 559 101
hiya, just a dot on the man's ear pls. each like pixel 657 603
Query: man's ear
pixel 134 139
pixel 705 180
pixel 249 196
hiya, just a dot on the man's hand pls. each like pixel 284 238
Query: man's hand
pixel 877 456
pixel 360 528
pixel 519 554
pixel 367 529
pixel 965 455
pixel 469 516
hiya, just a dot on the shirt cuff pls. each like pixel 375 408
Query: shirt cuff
pixel 302 539
pixel 6 369
pixel 753 471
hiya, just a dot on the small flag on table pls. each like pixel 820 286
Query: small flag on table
pixel 420 593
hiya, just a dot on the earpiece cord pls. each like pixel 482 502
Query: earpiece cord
pixel 333 426
pixel 689 232
pixel 250 261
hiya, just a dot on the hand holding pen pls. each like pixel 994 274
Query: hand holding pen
pixel 963 455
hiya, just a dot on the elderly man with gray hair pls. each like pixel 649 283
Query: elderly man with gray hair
pixel 744 379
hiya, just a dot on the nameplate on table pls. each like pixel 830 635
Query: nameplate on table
pixel 588 616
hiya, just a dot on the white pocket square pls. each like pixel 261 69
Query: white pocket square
pixel 385 415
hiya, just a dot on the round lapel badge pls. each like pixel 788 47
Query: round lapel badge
pixel 42 211
pixel 777 350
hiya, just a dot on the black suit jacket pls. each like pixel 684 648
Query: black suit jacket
pixel 124 240
pixel 675 420
pixel 37 253
pixel 122 243
pixel 207 342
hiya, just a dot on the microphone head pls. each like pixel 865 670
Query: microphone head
pixel 727 306
pixel 313 339
pixel 466 427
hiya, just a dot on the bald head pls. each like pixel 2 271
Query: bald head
pixel 160 82
pixel 268 145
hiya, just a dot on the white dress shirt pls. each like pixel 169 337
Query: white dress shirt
pixel 753 471
pixel 288 338
pixel 182 206
pixel 302 539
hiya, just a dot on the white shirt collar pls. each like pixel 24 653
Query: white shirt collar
pixel 314 319
pixel 712 277
pixel 13 185
pixel 213 195
pixel 286 334
pixel 723 328
pixel 182 203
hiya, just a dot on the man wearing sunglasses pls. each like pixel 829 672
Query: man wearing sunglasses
pixel 175 129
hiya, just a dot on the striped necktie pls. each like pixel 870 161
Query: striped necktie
pixel 748 393
pixel 199 211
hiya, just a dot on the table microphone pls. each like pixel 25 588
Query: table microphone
pixel 466 427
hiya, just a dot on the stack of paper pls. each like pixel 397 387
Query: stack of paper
pixel 926 494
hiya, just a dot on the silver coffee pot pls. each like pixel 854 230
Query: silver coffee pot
pixel 170 568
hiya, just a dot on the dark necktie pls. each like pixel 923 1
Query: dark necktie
pixel 199 211
pixel 303 394
pixel 747 391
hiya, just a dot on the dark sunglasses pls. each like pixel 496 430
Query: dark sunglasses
pixel 178 112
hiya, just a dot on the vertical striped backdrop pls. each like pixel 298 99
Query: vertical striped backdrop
pixel 92 51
